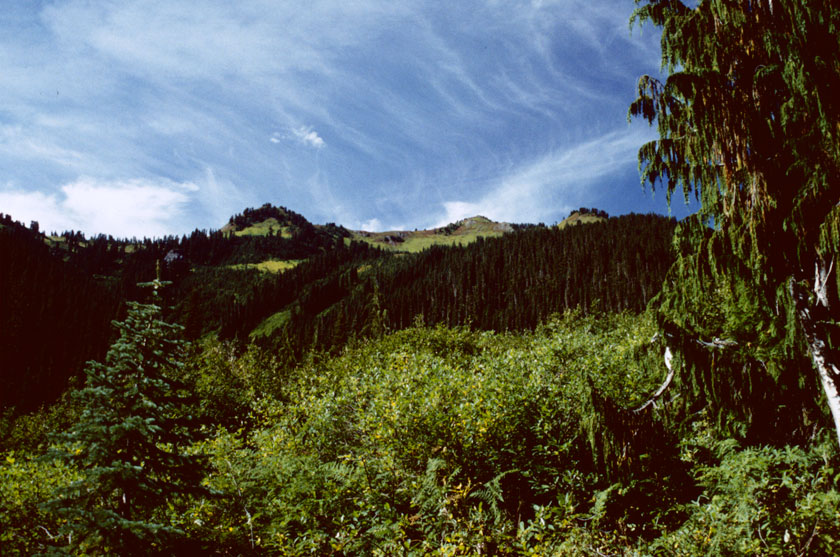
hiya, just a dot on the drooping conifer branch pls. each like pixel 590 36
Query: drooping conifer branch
pixel 748 121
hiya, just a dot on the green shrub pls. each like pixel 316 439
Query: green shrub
pixel 763 501
pixel 26 483
pixel 428 441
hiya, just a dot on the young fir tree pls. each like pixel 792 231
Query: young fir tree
pixel 130 443
pixel 749 121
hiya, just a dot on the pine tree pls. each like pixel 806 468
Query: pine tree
pixel 749 121
pixel 130 443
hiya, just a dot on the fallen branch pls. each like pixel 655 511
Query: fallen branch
pixel 664 387
pixel 717 343
pixel 48 532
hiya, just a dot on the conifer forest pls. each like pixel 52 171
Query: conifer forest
pixel 606 386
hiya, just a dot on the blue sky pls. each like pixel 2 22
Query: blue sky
pixel 152 117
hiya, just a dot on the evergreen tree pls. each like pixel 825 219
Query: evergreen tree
pixel 748 121
pixel 129 444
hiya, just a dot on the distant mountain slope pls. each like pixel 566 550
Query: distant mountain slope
pixel 459 233
pixel 269 220
pixel 59 295
pixel 506 283
pixel 583 216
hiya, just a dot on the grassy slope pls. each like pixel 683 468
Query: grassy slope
pixel 270 265
pixel 577 218
pixel 267 327
pixel 263 228
pixel 462 232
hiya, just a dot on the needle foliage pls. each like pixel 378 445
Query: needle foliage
pixel 130 444
pixel 748 121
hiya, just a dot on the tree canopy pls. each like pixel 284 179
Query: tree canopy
pixel 748 122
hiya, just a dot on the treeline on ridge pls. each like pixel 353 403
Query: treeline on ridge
pixel 61 292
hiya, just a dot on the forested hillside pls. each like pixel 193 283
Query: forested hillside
pixel 60 293
pixel 53 318
pixel 333 289
pixel 513 282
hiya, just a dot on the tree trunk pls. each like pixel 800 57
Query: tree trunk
pixel 815 336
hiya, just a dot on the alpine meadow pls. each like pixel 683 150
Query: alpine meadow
pixel 608 385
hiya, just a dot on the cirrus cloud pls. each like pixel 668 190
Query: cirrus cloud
pixel 411 111
pixel 551 185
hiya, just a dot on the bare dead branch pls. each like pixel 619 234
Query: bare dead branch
pixel 664 387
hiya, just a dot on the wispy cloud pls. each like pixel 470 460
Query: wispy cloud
pixel 19 143
pixel 372 225
pixel 309 137
pixel 216 195
pixel 471 101
pixel 552 184
pixel 302 135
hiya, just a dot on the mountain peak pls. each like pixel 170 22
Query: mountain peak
pixel 583 216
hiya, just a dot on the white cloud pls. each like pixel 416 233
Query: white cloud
pixel 309 137
pixel 395 90
pixel 26 206
pixel 372 225
pixel 458 210
pixel 20 143
pixel 123 208
pixel 304 135
pixel 220 198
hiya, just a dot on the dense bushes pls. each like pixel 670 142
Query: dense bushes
pixel 456 442
pixel 427 440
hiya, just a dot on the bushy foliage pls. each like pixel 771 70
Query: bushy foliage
pixel 226 382
pixel 429 440
pixel 759 500
pixel 26 484
pixel 437 441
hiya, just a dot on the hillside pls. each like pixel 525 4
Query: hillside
pixel 511 282
pixel 53 318
pixel 269 275
pixel 478 395
pixel 583 216
pixel 60 293
pixel 462 232
pixel 607 386
pixel 268 220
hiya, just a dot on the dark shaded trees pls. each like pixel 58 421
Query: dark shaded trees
pixel 513 282
pixel 53 318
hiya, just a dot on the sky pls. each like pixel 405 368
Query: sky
pixel 157 117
